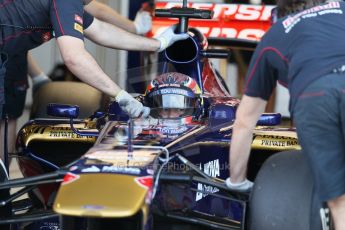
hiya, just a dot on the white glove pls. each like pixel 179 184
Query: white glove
pixel 168 37
pixel 131 106
pixel 143 22
pixel 38 81
pixel 243 186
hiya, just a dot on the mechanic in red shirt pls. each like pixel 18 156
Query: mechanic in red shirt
pixel 27 24
pixel 304 50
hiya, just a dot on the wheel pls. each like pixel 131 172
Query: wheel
pixel 283 196
pixel 5 193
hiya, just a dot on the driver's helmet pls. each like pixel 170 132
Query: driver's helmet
pixel 173 95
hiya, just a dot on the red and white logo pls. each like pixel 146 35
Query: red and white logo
pixel 242 21
pixel 46 36
pixel 78 19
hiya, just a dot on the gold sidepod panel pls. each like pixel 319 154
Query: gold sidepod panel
pixel 61 132
pixel 101 195
pixel 275 140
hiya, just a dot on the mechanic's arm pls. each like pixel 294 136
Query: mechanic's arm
pixel 111 36
pixel 108 14
pixel 84 66
pixel 247 115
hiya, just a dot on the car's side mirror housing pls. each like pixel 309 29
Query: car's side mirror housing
pixel 269 119
pixel 224 113
pixel 63 110
pixel 221 113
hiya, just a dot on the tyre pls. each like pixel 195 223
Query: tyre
pixel 283 196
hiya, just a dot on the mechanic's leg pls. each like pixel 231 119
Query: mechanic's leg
pixel 319 119
pixel 337 207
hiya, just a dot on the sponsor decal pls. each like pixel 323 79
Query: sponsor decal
pixel 93 168
pixel 171 91
pixel 66 134
pixel 229 20
pixel 46 36
pixel 93 207
pixel 49 226
pixel 114 169
pixel 78 27
pixel 212 169
pixel 173 130
pixel 330 8
pixel 280 143
pixel 229 11
pixel 78 19
pixel 205 188
pixel 275 141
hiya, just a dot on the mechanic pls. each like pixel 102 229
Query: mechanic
pixel 25 25
pixel 32 27
pixel 16 82
pixel 305 51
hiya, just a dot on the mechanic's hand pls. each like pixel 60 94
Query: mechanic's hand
pixel 131 106
pixel 39 81
pixel 244 186
pixel 143 22
pixel 168 37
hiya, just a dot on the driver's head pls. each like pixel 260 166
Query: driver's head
pixel 172 95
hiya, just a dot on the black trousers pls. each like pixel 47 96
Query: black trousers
pixel 319 115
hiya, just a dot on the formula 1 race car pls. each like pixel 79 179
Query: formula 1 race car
pixel 163 172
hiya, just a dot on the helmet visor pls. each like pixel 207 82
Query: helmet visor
pixel 171 106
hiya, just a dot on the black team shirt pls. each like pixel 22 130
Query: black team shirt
pixel 26 24
pixel 297 50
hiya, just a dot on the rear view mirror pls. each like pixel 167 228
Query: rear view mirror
pixel 63 110
pixel 270 119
